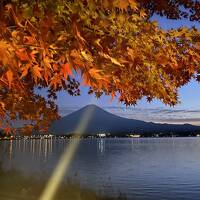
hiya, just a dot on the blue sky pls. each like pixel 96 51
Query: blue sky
pixel 188 111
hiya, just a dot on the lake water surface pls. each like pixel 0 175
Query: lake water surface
pixel 139 168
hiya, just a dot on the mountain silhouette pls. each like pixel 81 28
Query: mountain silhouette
pixel 103 121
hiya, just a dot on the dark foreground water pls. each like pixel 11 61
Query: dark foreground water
pixel 140 168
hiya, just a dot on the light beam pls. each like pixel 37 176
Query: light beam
pixel 64 162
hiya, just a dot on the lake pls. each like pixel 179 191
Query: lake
pixel 138 168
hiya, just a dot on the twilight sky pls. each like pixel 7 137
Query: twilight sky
pixel 187 111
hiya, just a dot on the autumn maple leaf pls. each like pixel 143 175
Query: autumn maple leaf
pixel 66 70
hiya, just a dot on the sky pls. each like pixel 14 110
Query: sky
pixel 187 111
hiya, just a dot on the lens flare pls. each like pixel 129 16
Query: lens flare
pixel 64 162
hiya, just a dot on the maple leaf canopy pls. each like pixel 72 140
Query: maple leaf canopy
pixel 113 45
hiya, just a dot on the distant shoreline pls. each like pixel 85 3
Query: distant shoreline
pixel 50 137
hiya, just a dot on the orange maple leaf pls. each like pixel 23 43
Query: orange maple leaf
pixel 9 75
pixel 25 70
pixel 123 4
pixel 95 73
pixel 22 54
pixel 66 70
pixel 36 72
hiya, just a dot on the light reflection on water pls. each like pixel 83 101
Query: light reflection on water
pixel 143 168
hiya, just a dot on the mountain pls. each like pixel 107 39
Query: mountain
pixel 103 121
